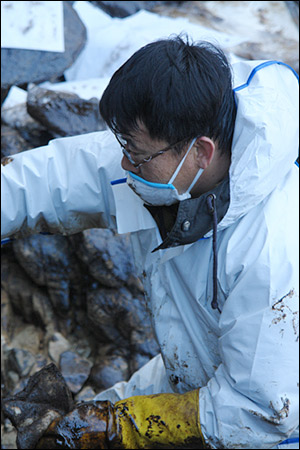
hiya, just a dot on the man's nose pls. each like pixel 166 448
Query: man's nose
pixel 126 165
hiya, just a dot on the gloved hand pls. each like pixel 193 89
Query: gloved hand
pixel 146 421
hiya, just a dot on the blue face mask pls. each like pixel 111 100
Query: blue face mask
pixel 158 194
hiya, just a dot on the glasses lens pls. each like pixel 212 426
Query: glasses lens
pixel 122 141
pixel 128 156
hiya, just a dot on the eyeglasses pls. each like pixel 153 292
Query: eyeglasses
pixel 137 165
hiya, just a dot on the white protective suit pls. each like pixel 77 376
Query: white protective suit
pixel 244 359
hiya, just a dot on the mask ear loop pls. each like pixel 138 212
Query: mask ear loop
pixel 181 163
pixel 199 173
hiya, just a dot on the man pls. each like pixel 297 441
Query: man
pixel 210 202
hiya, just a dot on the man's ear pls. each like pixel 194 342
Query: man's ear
pixel 205 150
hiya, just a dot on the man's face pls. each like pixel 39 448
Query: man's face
pixel 161 168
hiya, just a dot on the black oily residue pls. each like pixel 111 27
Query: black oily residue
pixel 6 160
pixel 152 420
pixel 278 305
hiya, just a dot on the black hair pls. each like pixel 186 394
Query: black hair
pixel 177 89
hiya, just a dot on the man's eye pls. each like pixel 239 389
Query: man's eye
pixel 134 155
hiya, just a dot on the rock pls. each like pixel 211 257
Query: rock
pixel 34 134
pixel 19 67
pixel 4 94
pixel 75 370
pixel 57 345
pixel 43 311
pixel 19 288
pixel 63 113
pixel 82 345
pixel 8 436
pixel 21 361
pixel 49 262
pixel 28 338
pixel 137 361
pixel 270 31
pixel 7 326
pixel 11 379
pixel 26 298
pixel 106 312
pixel 119 8
pixel 12 142
pixel 286 50
pixel 6 335
pixel 86 394
pixel 115 314
pixel 112 369
pixel 45 397
pixel 143 341
pixel 107 256
pixel 124 8
pixel 41 361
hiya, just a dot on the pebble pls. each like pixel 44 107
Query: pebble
pixel 75 370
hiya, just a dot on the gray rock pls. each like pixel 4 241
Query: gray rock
pixel 8 436
pixel 137 361
pixel 112 369
pixel 7 316
pixel 21 361
pixel 124 8
pixel 43 310
pixel 57 345
pixel 75 370
pixel 107 256
pixel 11 379
pixel 41 361
pixel 28 338
pixel 17 117
pixel 115 314
pixel 63 113
pixel 144 342
pixel 19 288
pixel 45 397
pixel 49 262
pixel 12 142
pixel 20 66
pixel 86 394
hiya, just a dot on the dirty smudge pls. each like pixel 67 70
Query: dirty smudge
pixel 281 307
pixel 279 304
pixel 6 160
pixel 278 416
pixel 295 323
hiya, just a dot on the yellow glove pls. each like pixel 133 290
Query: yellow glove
pixel 145 421
pixel 158 421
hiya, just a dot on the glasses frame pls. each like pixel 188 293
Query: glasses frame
pixel 137 165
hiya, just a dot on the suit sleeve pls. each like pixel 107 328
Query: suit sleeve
pixel 63 187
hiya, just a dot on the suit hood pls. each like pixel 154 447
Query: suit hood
pixel 265 142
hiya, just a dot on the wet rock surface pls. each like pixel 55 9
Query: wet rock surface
pixel 33 133
pixel 45 398
pixel 75 370
pixel 108 255
pixel 11 141
pixel 62 113
pixel 50 262
pixel 89 319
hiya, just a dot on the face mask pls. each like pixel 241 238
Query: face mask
pixel 158 194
